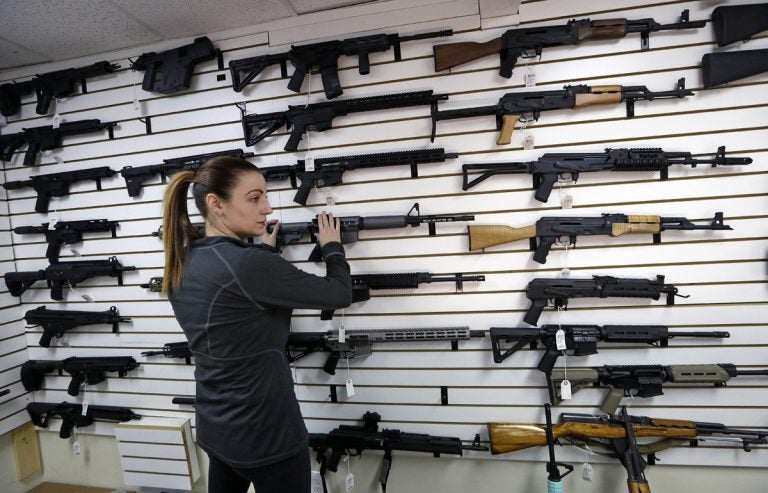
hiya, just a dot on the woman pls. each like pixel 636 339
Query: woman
pixel 234 301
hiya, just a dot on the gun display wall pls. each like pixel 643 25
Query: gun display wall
pixel 371 167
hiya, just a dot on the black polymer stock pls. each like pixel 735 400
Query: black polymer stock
pixel 324 56
pixel 582 340
pixel 170 71
pixel 57 184
pixel 551 168
pixel 72 415
pixel 329 171
pixel 557 292
pixel 362 284
pixel 319 117
pixel 136 176
pixel 291 233
pixel 55 322
pixel 88 370
pixel 67 233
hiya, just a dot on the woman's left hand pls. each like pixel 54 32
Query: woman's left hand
pixel 271 238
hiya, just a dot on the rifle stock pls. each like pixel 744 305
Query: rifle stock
pixel 452 54
pixel 484 236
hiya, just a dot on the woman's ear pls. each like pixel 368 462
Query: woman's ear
pixel 214 204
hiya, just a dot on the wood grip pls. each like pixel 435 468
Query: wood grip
pixel 452 54
pixel 606 97
pixel 619 229
pixel 643 219
pixel 507 127
pixel 638 486
pixel 604 29
pixel 485 236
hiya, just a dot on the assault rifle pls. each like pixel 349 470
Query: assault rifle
pixel 173 350
pixel 70 273
pixel 362 284
pixel 559 291
pixel 155 284
pixel 319 116
pixel 553 167
pixel 56 322
pixel 325 56
pixel 58 84
pixel 73 415
pixel 290 233
pixel 529 42
pixel 136 176
pixel 46 138
pixel 66 233
pixel 345 439
pixel 329 171
pixel 721 68
pixel 548 231
pixel 57 184
pixel 170 71
pixel 739 22
pixel 529 105
pixel 641 380
pixel 88 370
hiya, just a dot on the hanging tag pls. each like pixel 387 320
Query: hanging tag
pixel 566 201
pixel 330 200
pixel 565 273
pixel 309 163
pixel 586 471
pixel 342 334
pixel 136 104
pixel 76 448
pixel 528 142
pixel 53 219
pixel 560 340
pixel 350 481
pixel 530 77
pixel 565 390
pixel 57 159
pixel 316 482
pixel 56 120
pixel 86 297
pixel 350 387
pixel 85 406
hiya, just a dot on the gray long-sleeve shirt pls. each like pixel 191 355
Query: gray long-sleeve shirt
pixel 234 305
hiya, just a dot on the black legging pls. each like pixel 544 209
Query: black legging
pixel 292 475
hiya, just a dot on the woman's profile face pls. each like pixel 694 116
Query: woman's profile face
pixel 245 213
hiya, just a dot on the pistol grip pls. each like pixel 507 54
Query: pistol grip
pixel 31 155
pixel 43 102
pixel 612 400
pixel 57 290
pixel 297 79
pixel 294 138
pixel 317 254
pixel 331 363
pixel 302 194
pixel 534 312
pixel 74 385
pixel 541 253
pixel 544 188
pixel 507 127
pixel 41 204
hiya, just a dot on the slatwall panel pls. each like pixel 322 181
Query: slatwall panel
pixel 723 272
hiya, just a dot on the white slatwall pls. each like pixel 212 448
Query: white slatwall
pixel 723 272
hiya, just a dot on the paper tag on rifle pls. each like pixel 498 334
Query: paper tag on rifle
pixel 86 297
pixel 56 120
pixel 317 482
pixel 565 390
pixel 560 340
pixel 566 201
pixel 85 407
pixel 530 78
pixel 136 104
pixel 586 471
pixel 342 334
pixel 528 142
pixel 350 481
pixel 330 200
pixel 53 219
pixel 565 273
pixel 76 448
pixel 350 388
pixel 309 163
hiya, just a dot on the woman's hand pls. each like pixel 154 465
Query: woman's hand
pixel 329 229
pixel 271 238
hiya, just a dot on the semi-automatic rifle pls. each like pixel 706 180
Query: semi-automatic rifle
pixel 87 370
pixel 66 233
pixel 56 322
pixel 170 71
pixel 73 415
pixel 553 167
pixel 734 23
pixel 57 184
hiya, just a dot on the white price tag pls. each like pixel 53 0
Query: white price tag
pixel 330 200
pixel 565 273
pixel 350 481
pixel 87 297
pixel 136 105
pixel 586 471
pixel 85 406
pixel 350 388
pixel 317 482
pixel 560 340
pixel 565 390
pixel 566 201
pixel 53 219
pixel 76 448
pixel 342 335
pixel 530 78
pixel 56 120
pixel 528 142
pixel 309 163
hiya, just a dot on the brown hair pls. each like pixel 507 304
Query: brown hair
pixel 217 176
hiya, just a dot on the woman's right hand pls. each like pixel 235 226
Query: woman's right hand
pixel 329 229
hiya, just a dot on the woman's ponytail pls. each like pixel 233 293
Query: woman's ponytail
pixel 178 231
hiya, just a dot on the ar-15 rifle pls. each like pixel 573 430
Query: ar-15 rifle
pixel 514 106
pixel 46 138
pixel 136 176
pixel 529 42
pixel 73 416
pixel 89 370
pixel 57 184
pixel 356 343
pixel 641 380
pixel 548 231
pixel 734 23
pixel 155 284
pixel 319 116
pixel 553 167
pixel 581 339
pixel 66 233
pixel 362 284
pixel 290 233
pixel 170 71
pixel 173 350
pixel 329 171
pixel 70 273
pixel 345 439
pixel 325 56
pixel 721 68
pixel 559 291
pixel 56 322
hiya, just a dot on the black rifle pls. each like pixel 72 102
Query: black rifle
pixel 529 105
pixel 345 439
pixel 554 476
pixel 57 184
pixel 155 284
pixel 89 370
pixel 46 138
pixel 641 380
pixel 548 231
pixel 319 116
pixel 66 233
pixel 330 170
pixel 70 273
pixel 351 226
pixel 739 22
pixel 529 42
pixel 56 322
pixel 170 71
pixel 173 350
pixel 58 84
pixel 324 56
pixel 721 68
pixel 136 176
pixel 72 415
pixel 553 167
pixel 582 339
pixel 362 284
pixel 559 291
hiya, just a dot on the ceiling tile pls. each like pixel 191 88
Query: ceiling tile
pixel 13 55
pixel 306 6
